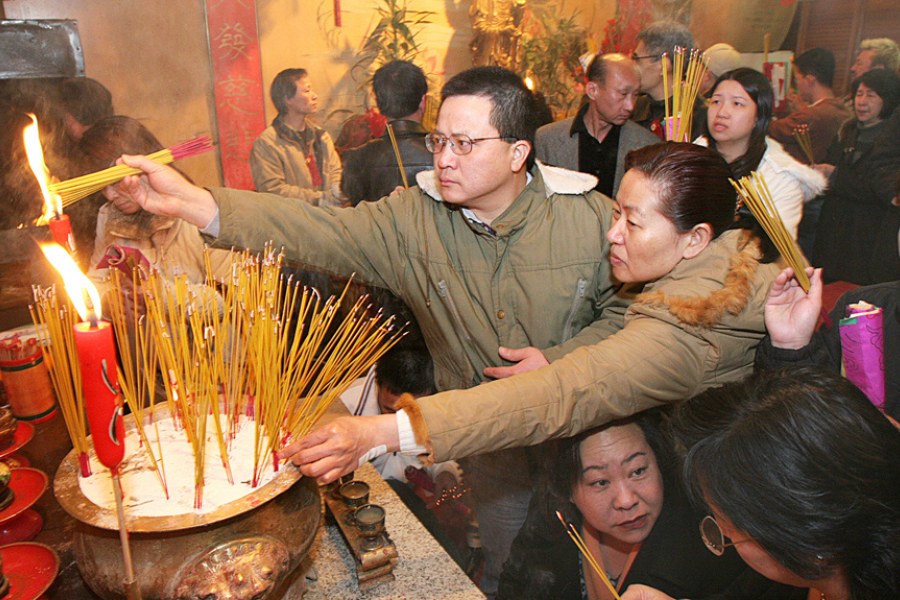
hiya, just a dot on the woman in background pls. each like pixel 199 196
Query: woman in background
pixel 738 117
pixel 856 233
pixel 168 244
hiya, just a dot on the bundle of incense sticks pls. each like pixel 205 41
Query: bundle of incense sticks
pixel 579 541
pixel 801 134
pixel 137 365
pixel 756 195
pixel 399 158
pixel 73 190
pixel 54 320
pixel 261 348
pixel 685 88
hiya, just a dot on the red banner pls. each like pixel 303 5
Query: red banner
pixel 237 75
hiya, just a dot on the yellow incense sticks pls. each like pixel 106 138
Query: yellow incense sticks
pixel 801 134
pixel 688 69
pixel 73 190
pixel 756 195
pixel 399 158
pixel 54 320
pixel 579 542
pixel 264 347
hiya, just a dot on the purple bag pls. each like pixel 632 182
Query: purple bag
pixel 862 348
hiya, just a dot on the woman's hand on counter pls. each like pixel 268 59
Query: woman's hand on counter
pixel 339 447
pixel 644 592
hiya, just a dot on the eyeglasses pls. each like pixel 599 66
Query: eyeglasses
pixel 459 144
pixel 713 537
pixel 634 56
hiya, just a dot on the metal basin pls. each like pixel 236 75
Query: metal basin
pixel 243 549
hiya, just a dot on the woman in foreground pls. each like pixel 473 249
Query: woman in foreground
pixel 799 473
pixel 619 485
pixel 696 324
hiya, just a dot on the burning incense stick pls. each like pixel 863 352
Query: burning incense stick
pixel 396 148
pixel 75 189
pixel 579 542
pixel 801 134
pixel 756 195
pixel 686 79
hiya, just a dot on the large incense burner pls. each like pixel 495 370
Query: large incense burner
pixel 244 548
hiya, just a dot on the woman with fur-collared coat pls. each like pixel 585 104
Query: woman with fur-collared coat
pixel 696 325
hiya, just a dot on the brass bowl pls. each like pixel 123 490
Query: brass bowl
pixel 243 549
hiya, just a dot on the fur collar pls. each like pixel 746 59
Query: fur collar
pixel 556 181
pixel 732 297
pixel 139 226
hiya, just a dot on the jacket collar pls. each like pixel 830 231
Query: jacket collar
pixel 119 224
pixel 742 253
pixel 287 133
pixel 553 180
pixel 406 128
pixel 556 180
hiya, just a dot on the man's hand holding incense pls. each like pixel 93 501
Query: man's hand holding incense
pixel 162 190
pixel 791 314
pixel 342 445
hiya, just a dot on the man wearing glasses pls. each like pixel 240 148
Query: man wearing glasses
pixel 490 253
pixel 659 39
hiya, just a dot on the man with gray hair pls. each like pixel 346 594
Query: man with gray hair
pixel 655 48
pixel 876 53
pixel 597 139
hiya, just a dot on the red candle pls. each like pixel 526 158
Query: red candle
pixel 61 229
pixel 100 382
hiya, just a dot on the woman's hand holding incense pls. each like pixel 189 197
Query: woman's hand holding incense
pixel 338 447
pixel 791 314
pixel 526 359
pixel 644 592
pixel 162 190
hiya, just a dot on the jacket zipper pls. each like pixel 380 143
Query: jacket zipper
pixel 454 314
pixel 576 304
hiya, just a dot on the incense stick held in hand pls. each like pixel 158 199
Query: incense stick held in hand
pixel 576 537
pixel 73 190
pixel 801 134
pixel 756 195
pixel 390 131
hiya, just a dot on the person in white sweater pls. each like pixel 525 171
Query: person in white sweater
pixel 740 110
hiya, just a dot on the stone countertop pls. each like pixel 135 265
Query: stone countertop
pixel 423 571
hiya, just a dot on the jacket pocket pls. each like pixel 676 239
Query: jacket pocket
pixel 577 301
pixel 444 292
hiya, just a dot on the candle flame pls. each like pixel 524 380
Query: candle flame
pixel 32 137
pixel 529 83
pixel 82 292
